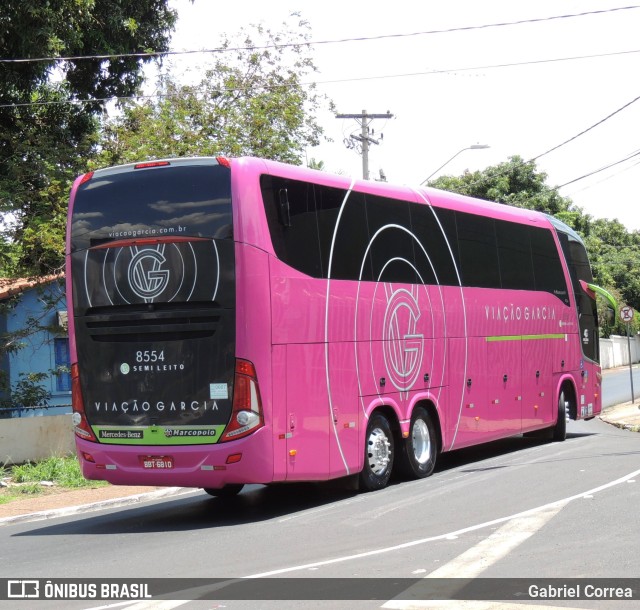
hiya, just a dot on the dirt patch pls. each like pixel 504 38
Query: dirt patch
pixel 53 498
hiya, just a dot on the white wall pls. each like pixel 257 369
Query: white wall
pixel 24 439
pixel 615 351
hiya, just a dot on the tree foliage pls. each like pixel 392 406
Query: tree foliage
pixel 613 250
pixel 254 100
pixel 45 140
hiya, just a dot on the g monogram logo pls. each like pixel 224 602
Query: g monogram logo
pixel 403 348
pixel 146 276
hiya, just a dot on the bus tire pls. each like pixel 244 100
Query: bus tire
pixel 378 454
pixel 560 429
pixel 417 457
pixel 228 491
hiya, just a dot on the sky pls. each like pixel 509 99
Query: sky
pixel 519 89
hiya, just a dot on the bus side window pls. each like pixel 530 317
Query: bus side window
pixel 478 250
pixel 547 268
pixel 514 253
pixel 291 216
pixel 343 235
pixel 437 256
pixel 391 246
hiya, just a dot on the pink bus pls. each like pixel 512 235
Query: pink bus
pixel 246 321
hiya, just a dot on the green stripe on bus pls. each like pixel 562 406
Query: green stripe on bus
pixel 525 337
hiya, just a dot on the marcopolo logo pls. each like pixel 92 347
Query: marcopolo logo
pixel 189 432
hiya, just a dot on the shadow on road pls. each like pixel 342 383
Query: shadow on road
pixel 259 503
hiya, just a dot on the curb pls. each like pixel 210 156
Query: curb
pixel 85 508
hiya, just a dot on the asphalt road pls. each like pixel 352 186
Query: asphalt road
pixel 515 508
pixel 616 385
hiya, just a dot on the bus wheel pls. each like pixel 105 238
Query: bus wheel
pixel 418 456
pixel 560 429
pixel 228 491
pixel 378 454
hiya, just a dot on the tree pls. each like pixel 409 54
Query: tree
pixel 48 107
pixel 516 182
pixel 254 100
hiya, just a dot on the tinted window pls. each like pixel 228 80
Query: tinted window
pixel 439 247
pixel 179 200
pixel 514 254
pixel 391 247
pixel 294 238
pixel 478 251
pixel 351 238
pixel 580 269
pixel 382 239
pixel 547 267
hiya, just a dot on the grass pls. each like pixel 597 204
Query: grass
pixel 26 479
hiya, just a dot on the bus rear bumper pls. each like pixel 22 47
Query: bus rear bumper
pixel 248 460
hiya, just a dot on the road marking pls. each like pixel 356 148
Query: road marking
pixel 493 548
pixel 465 530
pixel 478 558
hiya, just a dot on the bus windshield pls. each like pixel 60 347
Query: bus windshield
pixel 179 200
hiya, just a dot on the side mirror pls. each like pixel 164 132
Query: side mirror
pixel 610 316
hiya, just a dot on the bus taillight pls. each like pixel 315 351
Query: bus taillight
pixel 86 177
pixel 246 416
pixel 150 164
pixel 80 425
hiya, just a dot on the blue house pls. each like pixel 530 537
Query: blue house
pixel 34 347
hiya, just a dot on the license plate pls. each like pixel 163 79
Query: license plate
pixel 160 462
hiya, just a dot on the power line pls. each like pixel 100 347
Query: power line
pixel 482 67
pixel 631 156
pixel 588 129
pixel 317 42
pixel 523 163
pixel 610 177
pixel 346 80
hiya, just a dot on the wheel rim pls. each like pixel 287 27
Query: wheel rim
pixel 421 442
pixel 379 451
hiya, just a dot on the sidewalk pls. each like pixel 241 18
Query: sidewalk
pixel 626 416
pixel 84 500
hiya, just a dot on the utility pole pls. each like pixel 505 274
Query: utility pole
pixel 364 120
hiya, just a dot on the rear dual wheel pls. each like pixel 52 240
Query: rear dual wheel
pixel 416 454
pixel 419 450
